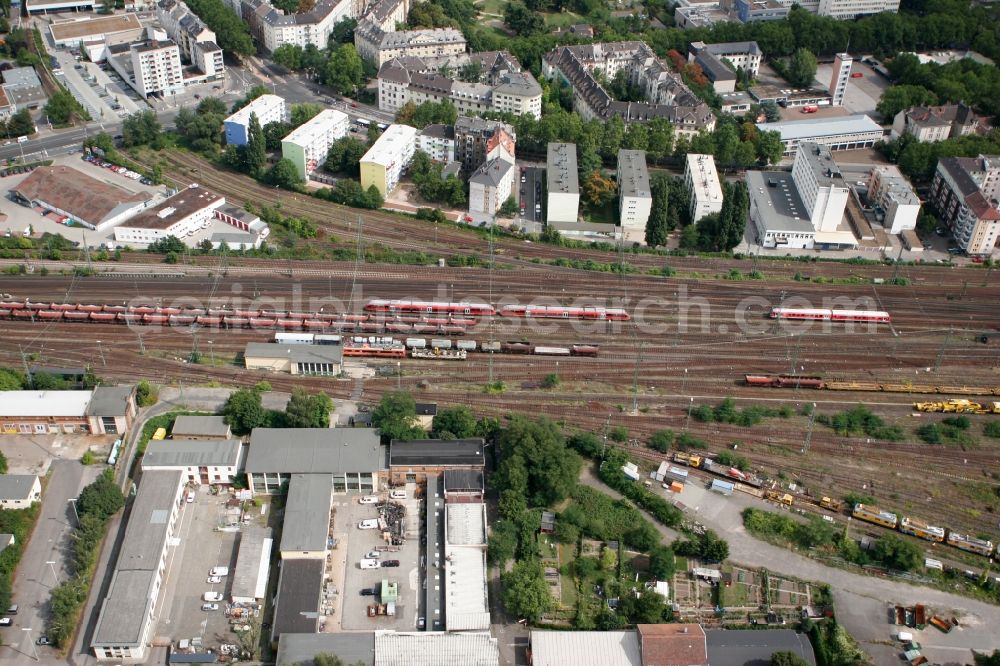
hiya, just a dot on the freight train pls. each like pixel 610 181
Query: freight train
pixel 710 465
pixel 918 528
pixel 822 314
pixel 486 310
pixel 816 382
pixel 434 344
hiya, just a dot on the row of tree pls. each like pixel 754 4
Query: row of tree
pixel 962 80
pixel 244 410
pixel 722 231
pixel 432 186
pixel 232 33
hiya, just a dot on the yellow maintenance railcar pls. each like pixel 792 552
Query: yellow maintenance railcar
pixel 958 406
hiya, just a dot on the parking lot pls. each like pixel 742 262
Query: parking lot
pixel 531 194
pixel 200 549
pixel 863 92
pixel 356 543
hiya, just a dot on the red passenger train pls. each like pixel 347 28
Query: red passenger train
pixel 560 312
pixel 822 314
pixel 430 307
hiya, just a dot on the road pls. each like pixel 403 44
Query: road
pixel 35 576
pixel 860 600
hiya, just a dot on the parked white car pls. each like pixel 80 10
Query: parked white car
pixel 368 499
pixel 374 555
pixel 213 580
pixel 369 564
pixel 368 525
pixel 212 596
pixel 397 494
pixel 219 571
pixel 210 607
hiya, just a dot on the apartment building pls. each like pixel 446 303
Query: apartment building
pixel 563 186
pixel 476 137
pixel 379 47
pixel 183 27
pixel 935 123
pixel 702 181
pixel 438 142
pixel 156 68
pixel 635 199
pixel 308 146
pixel 890 191
pixel 272 27
pixel 267 108
pixel 965 191
pixel 501 87
pixel 19 491
pixel 490 186
pixel 666 93
pixel 821 186
pixel 383 164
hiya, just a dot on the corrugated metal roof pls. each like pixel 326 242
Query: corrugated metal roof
pixel 821 127
pixel 44 403
pixel 585 648
pixel 436 649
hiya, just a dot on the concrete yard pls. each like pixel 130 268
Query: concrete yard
pixel 863 93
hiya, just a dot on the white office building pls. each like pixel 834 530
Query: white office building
pixel 848 10
pixel 308 145
pixel 267 108
pixel 384 162
pixel 890 191
pixel 635 197
pixel 702 181
pixel 563 191
pixel 821 186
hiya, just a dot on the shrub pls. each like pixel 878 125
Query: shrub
pixel 661 440
pixel 992 429
pixel 618 434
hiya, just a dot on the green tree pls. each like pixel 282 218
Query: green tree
pixel 255 152
pixel 3 468
pixel 11 380
pixel 345 157
pixel 897 98
pixel 102 498
pixel 662 440
pixel 648 608
pixel 344 70
pixel 522 20
pixel 232 33
pixel 142 129
pixel 642 537
pixel 396 416
pixel 288 55
pixel 308 411
pixel 62 108
pixel 274 132
pixel 786 658
pixel 554 469
pixel 502 542
pixel 897 553
pixel 303 113
pixel 343 32
pixel 662 562
pixel 283 174
pixel 244 411
pixel 586 444
pixel 769 147
pixel 801 68
pixel 509 207
pixel 20 124
pixel 454 423
pixel 525 592
pixel 566 532
pixel 146 394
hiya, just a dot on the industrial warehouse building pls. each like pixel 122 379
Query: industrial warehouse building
pixel 352 456
pixel 414 461
pixel 203 462
pixel 842 133
pixel 294 359
pixel 107 410
pixel 308 145
pixel 72 32
pixel 19 491
pixel 177 216
pixel 194 427
pixel 389 648
pixel 68 194
pixel 253 564
pixel 125 622
pixel 383 164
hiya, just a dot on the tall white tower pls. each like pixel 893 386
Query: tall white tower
pixel 841 73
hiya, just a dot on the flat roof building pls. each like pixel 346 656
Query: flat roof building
pixel 253 564
pixel 434 587
pixel 466 593
pixel 72 32
pixel 563 186
pixel 738 647
pixel 383 164
pixel 306 525
pixel 105 410
pixel 19 491
pixel 185 212
pixel 51 6
pixel 352 455
pixel 267 108
pixel 196 427
pixel 841 133
pixel 308 146
pixel 893 194
pixel 702 181
pixel 78 197
pixel 822 187
pixel 585 648
pixel 352 648
pixel 201 461
pixel 777 214
pixel 635 198
pixel 436 649
pixel 324 360
pixel 125 622
pixel 298 604
pixel 416 460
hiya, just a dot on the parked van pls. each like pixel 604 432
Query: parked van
pixel 219 571
pixel 398 494
pixel 368 525
pixel 370 564
pixel 212 596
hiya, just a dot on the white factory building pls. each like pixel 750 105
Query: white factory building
pixel 702 181
pixel 267 108
pixel 563 191
pixel 308 145
pixel 183 213
pixel 384 162
pixel 635 199
pixel 890 191
pixel 842 133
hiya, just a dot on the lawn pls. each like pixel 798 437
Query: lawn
pixel 562 19
pixel 568 582
pixel 494 7
pixel 606 214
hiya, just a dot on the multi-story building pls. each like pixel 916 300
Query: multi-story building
pixel 176 216
pixel 666 94
pixel 845 10
pixel 490 186
pixel 563 191
pixel 156 68
pixel 501 85
pixel 438 142
pixel 308 145
pixel 842 133
pixel 839 78
pixel 776 219
pixel 821 186
pixel 384 162
pixel 890 191
pixel 475 137
pixel 702 181
pixel 741 55
pixel 635 198
pixel 201 461
pixel 379 47
pixel 267 108
pixel 183 27
pixel 415 461
pixel 272 27
pixel 935 123
pixel 965 192
pixel 748 11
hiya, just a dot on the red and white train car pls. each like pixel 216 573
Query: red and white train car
pixel 560 312
pixel 822 314
pixel 430 307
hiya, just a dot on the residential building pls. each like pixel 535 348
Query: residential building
pixel 272 27
pixel 819 182
pixel 672 645
pixel 840 77
pixel 126 617
pixel 252 565
pixel 502 85
pixel 475 137
pixel 378 46
pixel 635 198
pixel 490 186
pixel 666 93
pixel 205 462
pixel 352 456
pixel 105 410
pixel 749 11
pixel 308 145
pixel 776 212
pixel 841 133
pixel 415 461
pixel 322 360
pixel 965 192
pixel 79 198
pixel 155 68
pixel 267 108
pixel 70 33
pixel 199 428
pixel 383 164
pixel 183 26
pixel 936 123
pixel 563 187
pixel 438 142
pixel 892 193
pixel 177 216
pixel 740 55
pixel 19 491
pixel 702 182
